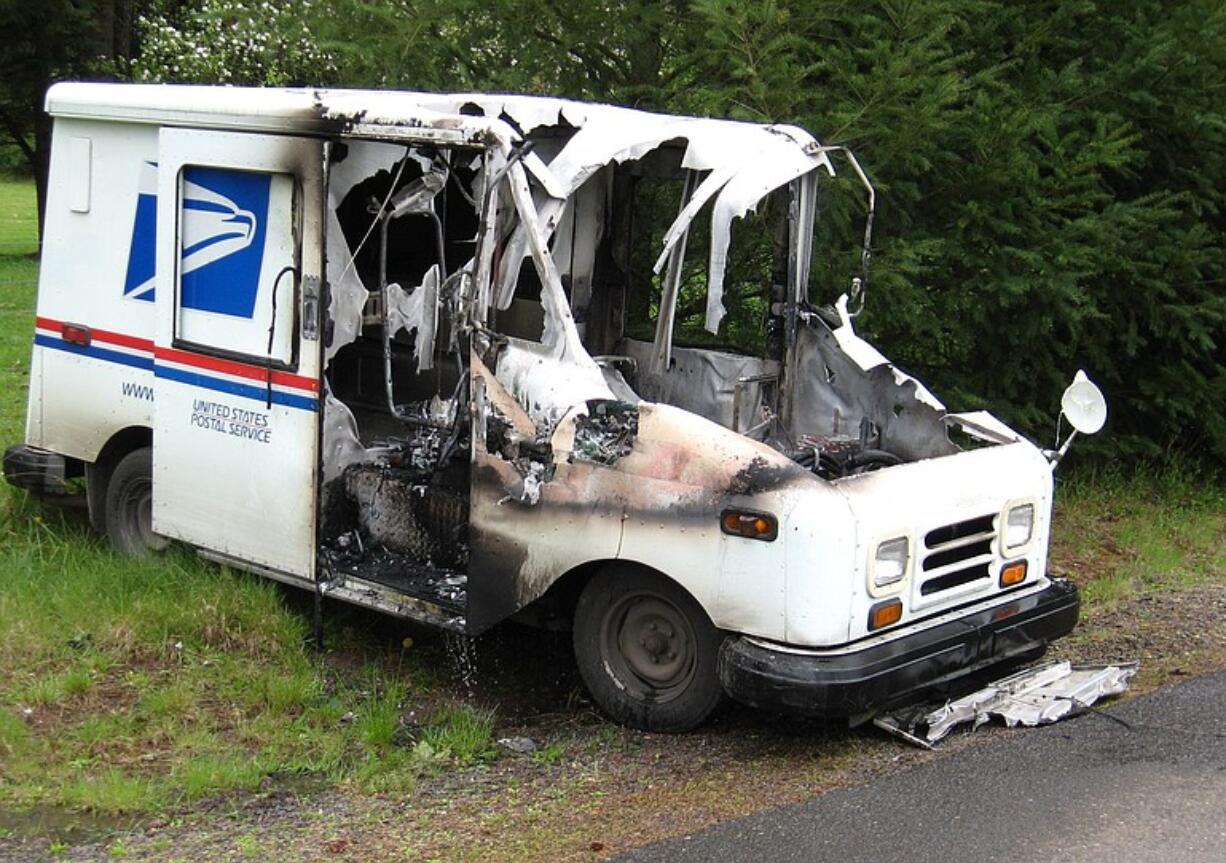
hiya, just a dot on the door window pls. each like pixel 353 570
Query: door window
pixel 237 267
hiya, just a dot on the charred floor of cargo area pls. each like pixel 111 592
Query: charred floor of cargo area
pixel 448 588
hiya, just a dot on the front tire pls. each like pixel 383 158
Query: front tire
pixel 129 506
pixel 647 651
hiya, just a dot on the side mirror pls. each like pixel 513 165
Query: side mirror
pixel 1086 408
pixel 1084 405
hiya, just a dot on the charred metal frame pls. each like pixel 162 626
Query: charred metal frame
pixel 548 426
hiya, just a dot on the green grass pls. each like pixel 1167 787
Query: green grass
pixel 207 684
pixel 464 733
pixel 378 723
pixel 195 681
pixel 56 688
pixel 1120 535
pixel 18 277
pixel 143 686
pixel 549 755
pixel 18 217
pixel 140 686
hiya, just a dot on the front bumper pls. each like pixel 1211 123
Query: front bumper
pixel 889 673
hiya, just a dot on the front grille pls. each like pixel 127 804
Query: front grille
pixel 954 579
pixel 950 534
pixel 957 554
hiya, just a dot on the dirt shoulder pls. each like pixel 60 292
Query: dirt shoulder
pixel 592 789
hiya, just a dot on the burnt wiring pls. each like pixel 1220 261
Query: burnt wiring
pixel 459 398
pixel 836 456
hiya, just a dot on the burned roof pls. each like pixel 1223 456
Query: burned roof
pixel 740 162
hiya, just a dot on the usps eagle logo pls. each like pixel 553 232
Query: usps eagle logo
pixel 221 239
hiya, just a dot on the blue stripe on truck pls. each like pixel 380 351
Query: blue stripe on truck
pixel 235 389
pixel 247 391
pixel 58 344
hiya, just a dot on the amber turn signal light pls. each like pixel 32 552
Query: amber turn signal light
pixel 1013 573
pixel 884 614
pixel 751 525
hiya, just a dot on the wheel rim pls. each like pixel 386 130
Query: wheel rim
pixel 137 504
pixel 649 646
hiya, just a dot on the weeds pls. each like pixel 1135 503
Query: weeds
pixel 1118 535
pixel 549 755
pixel 215 774
pixel 248 846
pixel 379 721
pixel 175 700
pixel 279 690
pixel 13 733
pixel 55 688
pixel 111 791
pixel 465 733
pixel 170 680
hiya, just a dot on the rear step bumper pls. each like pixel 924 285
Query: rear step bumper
pixel 36 470
pixel 890 673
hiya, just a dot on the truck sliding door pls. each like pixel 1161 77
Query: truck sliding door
pixel 236 417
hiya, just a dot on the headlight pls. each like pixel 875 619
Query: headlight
pixel 890 562
pixel 1019 525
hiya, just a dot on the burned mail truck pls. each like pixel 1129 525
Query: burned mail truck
pixel 429 354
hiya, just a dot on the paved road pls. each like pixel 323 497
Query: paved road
pixel 1086 789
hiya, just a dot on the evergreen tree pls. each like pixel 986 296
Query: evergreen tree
pixel 1051 173
pixel 1051 181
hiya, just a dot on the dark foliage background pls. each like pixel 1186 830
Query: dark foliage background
pixel 1051 173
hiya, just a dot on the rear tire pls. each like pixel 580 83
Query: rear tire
pixel 647 651
pixel 129 506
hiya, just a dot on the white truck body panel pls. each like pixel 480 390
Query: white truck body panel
pixel 94 392
pixel 236 425
pixel 189 230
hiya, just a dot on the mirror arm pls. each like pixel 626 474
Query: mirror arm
pixel 1054 456
pixel 860 284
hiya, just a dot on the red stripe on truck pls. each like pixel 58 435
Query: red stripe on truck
pixel 230 367
pixel 213 364
pixel 100 335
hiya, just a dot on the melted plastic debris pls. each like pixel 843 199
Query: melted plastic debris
pixel 868 357
pixel 349 555
pixel 606 432
pixel 528 490
pixel 342 446
pixel 416 311
pixel 532 457
pixel 548 386
pixel 1036 696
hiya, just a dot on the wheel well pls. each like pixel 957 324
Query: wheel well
pixel 555 609
pixel 98 474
